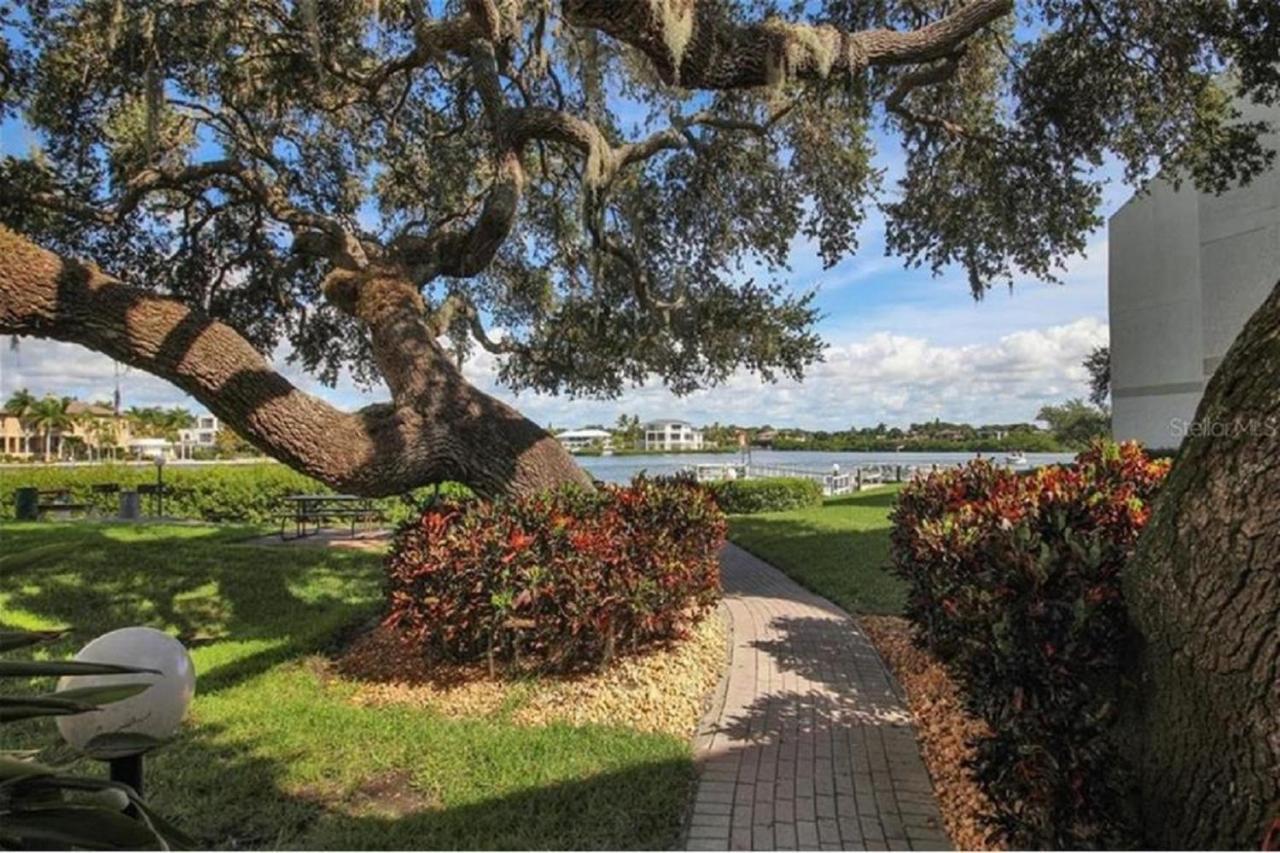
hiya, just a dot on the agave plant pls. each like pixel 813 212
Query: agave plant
pixel 51 807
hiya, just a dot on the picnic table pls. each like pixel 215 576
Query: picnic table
pixel 314 510
pixel 60 503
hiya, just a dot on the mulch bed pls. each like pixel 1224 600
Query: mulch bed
pixel 943 726
pixel 664 689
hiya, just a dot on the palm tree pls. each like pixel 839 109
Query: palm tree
pixel 19 405
pixel 176 420
pixel 103 431
pixel 155 422
pixel 48 415
pixel 20 402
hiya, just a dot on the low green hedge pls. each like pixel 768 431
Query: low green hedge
pixel 766 495
pixel 239 493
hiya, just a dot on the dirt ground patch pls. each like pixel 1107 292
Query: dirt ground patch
pixel 661 690
pixel 944 728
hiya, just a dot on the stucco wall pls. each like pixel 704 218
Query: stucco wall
pixel 1186 270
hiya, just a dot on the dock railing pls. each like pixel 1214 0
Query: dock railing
pixel 838 481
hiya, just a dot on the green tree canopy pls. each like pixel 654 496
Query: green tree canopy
pixel 1075 423
pixel 159 422
pixel 1098 363
pixel 20 402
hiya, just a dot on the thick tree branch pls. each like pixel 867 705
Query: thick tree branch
pixel 439 429
pixel 641 281
pixel 343 246
pixel 930 75
pixel 691 45
pixel 462 252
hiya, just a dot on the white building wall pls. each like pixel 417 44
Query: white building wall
pixel 1186 270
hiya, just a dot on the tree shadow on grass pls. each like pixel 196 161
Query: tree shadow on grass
pixel 241 610
pixel 228 795
pixel 284 762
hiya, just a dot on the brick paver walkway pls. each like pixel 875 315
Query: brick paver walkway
pixel 812 747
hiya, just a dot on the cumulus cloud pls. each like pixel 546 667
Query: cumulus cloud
pixel 63 369
pixel 882 376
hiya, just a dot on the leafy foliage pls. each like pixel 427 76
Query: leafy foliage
pixel 1075 423
pixel 1015 585
pixel 357 121
pixel 766 495
pixel 1098 363
pixel 46 806
pixel 248 493
pixel 562 580
pixel 157 422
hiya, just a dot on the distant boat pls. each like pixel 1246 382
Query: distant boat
pixel 1016 458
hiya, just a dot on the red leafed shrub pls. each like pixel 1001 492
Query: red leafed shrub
pixel 1015 586
pixel 564 580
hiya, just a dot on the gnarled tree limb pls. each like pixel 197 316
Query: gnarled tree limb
pixel 438 427
pixel 691 44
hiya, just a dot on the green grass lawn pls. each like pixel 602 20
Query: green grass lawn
pixel 839 550
pixel 274 755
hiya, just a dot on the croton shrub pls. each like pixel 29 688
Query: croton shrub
pixel 1015 586
pixel 560 581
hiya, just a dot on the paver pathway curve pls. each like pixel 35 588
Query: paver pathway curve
pixel 813 747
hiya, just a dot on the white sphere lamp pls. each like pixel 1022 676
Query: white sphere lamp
pixel 151 716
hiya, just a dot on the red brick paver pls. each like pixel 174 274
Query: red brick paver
pixel 812 748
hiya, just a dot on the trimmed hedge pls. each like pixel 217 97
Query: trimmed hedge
pixel 766 495
pixel 237 493
pixel 563 580
pixel 1015 586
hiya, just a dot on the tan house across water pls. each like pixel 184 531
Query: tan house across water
pixel 95 428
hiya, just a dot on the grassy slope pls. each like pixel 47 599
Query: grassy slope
pixel 839 550
pixel 273 756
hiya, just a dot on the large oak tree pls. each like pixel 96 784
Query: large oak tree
pixel 599 192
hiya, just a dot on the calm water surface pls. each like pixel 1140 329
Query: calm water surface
pixel 620 469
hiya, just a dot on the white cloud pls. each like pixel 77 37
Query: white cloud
pixel 880 376
pixel 53 367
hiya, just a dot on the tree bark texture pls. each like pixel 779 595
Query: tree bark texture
pixel 437 427
pixel 1204 595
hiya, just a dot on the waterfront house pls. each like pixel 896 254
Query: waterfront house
pixel 203 435
pixel 672 435
pixel 152 448
pixel 92 430
pixel 578 440
pixel 765 438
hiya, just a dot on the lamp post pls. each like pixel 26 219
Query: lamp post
pixel 120 733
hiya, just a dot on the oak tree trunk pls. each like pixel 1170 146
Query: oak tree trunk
pixel 436 427
pixel 1204 595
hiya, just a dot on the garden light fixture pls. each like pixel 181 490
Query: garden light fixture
pixel 123 731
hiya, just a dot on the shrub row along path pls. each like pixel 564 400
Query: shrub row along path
pixel 811 746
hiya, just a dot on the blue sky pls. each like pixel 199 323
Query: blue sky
pixel 903 346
